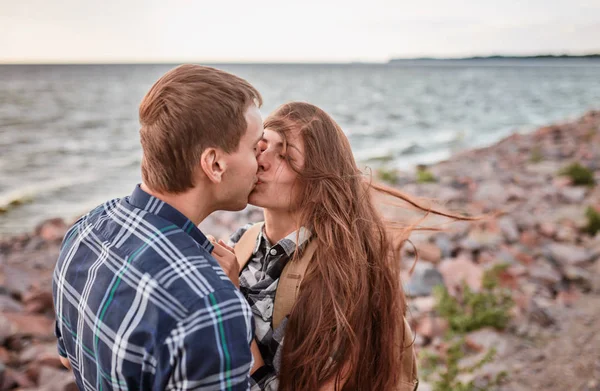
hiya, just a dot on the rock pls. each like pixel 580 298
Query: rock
pixel 5 357
pixel 37 301
pixel 565 254
pixel 432 326
pixel 566 234
pixel 578 276
pixel 443 242
pixel 573 195
pixel 544 272
pixel 36 326
pixel 56 380
pixel 480 239
pixel 13 379
pixel 509 229
pixel 485 339
pixel 460 270
pixel 8 304
pixel 561 182
pixel 491 193
pixel 567 297
pixel 36 351
pixel 516 193
pixel 429 252
pixel 423 305
pixel 539 315
pixel 547 229
pixel 424 278
pixel 52 230
pixel 529 238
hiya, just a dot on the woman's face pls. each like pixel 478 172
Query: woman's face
pixel 278 186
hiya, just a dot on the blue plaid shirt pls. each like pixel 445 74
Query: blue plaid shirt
pixel 142 305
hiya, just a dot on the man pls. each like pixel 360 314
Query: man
pixel 140 302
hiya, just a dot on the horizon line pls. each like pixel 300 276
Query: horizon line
pixel 326 62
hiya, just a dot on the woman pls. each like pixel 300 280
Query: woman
pixel 344 330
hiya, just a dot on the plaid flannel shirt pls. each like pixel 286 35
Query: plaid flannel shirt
pixel 258 283
pixel 142 305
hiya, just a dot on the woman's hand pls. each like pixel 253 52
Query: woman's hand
pixel 227 260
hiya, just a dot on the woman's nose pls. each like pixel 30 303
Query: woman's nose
pixel 263 161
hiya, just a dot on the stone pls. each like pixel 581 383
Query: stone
pixel 443 242
pixel 423 279
pixel 35 351
pixel 8 304
pixel 509 229
pixel 491 193
pixel 432 326
pixel 53 379
pixel 544 272
pixel 38 301
pixel 37 326
pixel 480 239
pixel 460 270
pixel 578 276
pixel 485 339
pixel 52 230
pixel 547 229
pixel 566 254
pixel 429 252
pixel 425 304
pixel 573 195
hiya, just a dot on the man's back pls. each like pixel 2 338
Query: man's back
pixel 141 303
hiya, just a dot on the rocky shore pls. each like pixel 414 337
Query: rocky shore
pixel 543 247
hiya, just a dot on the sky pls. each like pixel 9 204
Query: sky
pixel 79 31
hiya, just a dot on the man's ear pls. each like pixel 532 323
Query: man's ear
pixel 213 164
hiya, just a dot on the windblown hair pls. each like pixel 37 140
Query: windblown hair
pixel 346 325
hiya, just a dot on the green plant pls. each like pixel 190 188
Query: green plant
pixel 474 310
pixel 425 176
pixel 467 312
pixel 536 155
pixel 580 175
pixel 448 377
pixel 388 175
pixel 593 221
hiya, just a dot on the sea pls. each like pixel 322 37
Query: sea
pixel 69 133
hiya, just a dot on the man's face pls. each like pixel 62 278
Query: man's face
pixel 240 176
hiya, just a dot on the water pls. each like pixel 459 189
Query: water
pixel 69 133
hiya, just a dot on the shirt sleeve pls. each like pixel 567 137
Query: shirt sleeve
pixel 210 349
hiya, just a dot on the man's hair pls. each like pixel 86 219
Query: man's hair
pixel 187 110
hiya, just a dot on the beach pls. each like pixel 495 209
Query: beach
pixel 543 244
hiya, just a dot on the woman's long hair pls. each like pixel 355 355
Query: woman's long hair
pixel 346 325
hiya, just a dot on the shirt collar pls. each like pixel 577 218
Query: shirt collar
pixel 288 243
pixel 142 200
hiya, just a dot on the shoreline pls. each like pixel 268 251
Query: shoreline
pixel 12 201
pixel 545 240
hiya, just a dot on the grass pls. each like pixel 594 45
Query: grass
pixel 425 176
pixel 580 175
pixel 388 175
pixel 470 311
pixel 593 221
pixel 536 155
pixel 475 310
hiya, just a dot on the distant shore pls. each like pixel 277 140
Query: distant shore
pixel 501 58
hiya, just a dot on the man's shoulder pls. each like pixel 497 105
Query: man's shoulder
pixel 152 247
